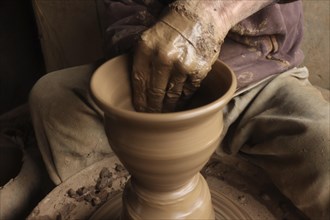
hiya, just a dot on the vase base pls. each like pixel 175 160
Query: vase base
pixel 233 178
pixel 224 206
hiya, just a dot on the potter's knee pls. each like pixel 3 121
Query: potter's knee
pixel 318 140
pixel 321 129
pixel 44 91
pixel 316 154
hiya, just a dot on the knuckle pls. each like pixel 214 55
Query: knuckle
pixel 156 93
pixel 137 75
pixel 145 43
pixel 182 67
pixel 164 54
pixel 165 59
pixel 138 81
pixel 172 97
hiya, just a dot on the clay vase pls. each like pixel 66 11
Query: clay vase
pixel 163 152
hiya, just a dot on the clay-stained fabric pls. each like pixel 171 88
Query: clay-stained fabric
pixel 266 43
pixel 262 45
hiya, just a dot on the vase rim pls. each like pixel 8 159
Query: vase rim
pixel 211 107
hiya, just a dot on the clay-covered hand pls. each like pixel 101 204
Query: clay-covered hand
pixel 171 60
pixel 175 55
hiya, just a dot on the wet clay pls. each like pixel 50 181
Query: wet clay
pixel 163 152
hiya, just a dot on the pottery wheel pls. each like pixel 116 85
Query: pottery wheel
pixel 224 207
pixel 238 190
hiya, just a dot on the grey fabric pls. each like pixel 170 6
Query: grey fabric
pixel 281 125
pixel 67 123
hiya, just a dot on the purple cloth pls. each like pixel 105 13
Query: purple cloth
pixel 266 43
pixel 262 45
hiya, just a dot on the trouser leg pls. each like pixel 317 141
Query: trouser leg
pixel 283 127
pixel 68 125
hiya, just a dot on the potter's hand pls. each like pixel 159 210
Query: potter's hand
pixel 175 55
pixel 171 60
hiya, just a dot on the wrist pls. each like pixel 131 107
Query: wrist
pixel 198 32
pixel 223 14
pixel 203 13
pixel 233 11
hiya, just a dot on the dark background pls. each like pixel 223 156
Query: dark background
pixel 21 62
